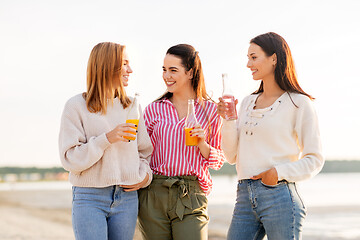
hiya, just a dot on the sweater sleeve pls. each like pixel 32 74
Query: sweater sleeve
pixel 308 137
pixel 145 150
pixel 230 140
pixel 77 153
pixel 216 156
pixel 230 136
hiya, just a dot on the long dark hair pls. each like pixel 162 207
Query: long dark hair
pixel 285 74
pixel 190 60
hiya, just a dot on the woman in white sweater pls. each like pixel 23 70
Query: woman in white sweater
pixel 106 168
pixel 275 142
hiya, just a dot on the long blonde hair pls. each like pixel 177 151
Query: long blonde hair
pixel 105 59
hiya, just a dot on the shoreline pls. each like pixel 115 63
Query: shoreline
pixel 46 214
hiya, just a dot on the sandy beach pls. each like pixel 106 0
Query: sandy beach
pixel 45 214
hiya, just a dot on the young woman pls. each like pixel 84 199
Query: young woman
pixel 105 167
pixel 174 206
pixel 275 142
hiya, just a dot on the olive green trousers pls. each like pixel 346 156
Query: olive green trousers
pixel 173 208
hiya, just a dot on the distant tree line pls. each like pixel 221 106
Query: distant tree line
pixel 20 170
pixel 332 166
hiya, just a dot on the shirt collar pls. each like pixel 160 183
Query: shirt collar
pixel 166 100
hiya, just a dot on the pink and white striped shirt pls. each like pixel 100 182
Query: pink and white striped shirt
pixel 171 157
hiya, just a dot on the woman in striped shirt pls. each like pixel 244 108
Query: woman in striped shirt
pixel 174 206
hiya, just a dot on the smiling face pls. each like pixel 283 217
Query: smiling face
pixel 261 65
pixel 125 69
pixel 123 73
pixel 175 76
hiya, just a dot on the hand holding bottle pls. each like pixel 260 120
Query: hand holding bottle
pixel 223 107
pixel 190 123
pixel 121 132
pixel 229 100
pixel 199 133
pixel 133 116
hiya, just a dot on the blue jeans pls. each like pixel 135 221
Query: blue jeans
pixel 276 211
pixel 104 213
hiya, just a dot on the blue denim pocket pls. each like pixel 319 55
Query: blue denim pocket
pixel 273 186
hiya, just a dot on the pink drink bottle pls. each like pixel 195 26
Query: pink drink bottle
pixel 229 99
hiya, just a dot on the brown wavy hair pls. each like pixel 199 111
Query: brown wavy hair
pixel 285 74
pixel 105 59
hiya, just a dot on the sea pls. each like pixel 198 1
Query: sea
pixel 332 201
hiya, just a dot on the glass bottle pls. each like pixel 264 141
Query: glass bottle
pixel 190 122
pixel 134 114
pixel 229 99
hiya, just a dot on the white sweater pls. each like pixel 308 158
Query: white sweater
pixel 91 159
pixel 281 136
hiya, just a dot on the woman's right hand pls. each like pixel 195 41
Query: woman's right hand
pixel 222 108
pixel 120 132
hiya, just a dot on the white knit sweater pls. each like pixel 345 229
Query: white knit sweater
pixel 281 136
pixel 91 159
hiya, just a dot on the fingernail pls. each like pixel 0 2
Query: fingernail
pixel 129 140
pixel 190 131
pixel 136 130
pixel 135 125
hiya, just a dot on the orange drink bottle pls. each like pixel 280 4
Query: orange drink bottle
pixel 133 115
pixel 190 123
pixel 229 99
pixel 134 121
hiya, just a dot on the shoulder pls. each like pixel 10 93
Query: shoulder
pixel 251 97
pixel 154 109
pixel 154 106
pixel 304 105
pixel 248 100
pixel 210 108
pixel 300 100
pixel 76 101
pixel 210 105
pixel 74 107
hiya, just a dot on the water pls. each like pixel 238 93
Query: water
pixel 332 199
pixel 29 186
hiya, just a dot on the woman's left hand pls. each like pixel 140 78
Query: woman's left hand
pixel 135 187
pixel 269 177
pixel 198 132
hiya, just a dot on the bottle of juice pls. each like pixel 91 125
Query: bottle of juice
pixel 190 122
pixel 134 114
pixel 229 99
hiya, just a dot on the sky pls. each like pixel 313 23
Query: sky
pixel 45 45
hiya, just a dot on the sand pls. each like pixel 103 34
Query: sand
pixel 46 215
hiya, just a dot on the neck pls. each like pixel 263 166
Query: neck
pixel 183 97
pixel 271 88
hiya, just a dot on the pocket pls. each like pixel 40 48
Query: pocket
pixel 273 186
pixel 199 200
pixel 299 197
